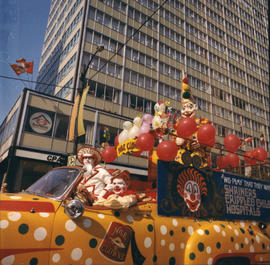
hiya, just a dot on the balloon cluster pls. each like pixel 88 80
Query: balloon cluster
pixel 232 143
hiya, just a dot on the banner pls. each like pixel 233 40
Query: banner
pixel 127 146
pixel 81 130
pixel 202 193
pixel 73 118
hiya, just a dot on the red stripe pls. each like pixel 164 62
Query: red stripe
pixel 25 206
pixel 15 251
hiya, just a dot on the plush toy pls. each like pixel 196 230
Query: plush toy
pixel 123 136
pixel 134 131
pixel 146 123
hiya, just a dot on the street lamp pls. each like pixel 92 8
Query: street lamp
pixel 99 48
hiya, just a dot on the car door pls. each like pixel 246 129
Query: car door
pixel 104 236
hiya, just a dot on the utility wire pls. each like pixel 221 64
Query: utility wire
pixel 106 62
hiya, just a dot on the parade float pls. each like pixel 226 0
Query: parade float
pixel 192 215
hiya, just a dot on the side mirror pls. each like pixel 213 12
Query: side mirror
pixel 74 209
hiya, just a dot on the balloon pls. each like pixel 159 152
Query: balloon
pixel 248 158
pixel 145 141
pixel 260 153
pixel 116 142
pixel 206 134
pixel 222 162
pixel 186 127
pixel 167 150
pixel 233 160
pixel 109 154
pixel 231 142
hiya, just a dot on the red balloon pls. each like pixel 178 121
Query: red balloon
pixel 186 127
pixel 260 153
pixel 222 162
pixel 109 154
pixel 206 134
pixel 231 142
pixel 248 158
pixel 145 141
pixel 167 150
pixel 233 160
pixel 116 142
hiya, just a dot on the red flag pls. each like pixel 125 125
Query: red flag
pixel 18 69
pixel 28 67
pixel 22 60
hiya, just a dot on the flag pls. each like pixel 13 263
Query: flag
pixel 23 67
pixel 73 118
pixel 18 69
pixel 81 130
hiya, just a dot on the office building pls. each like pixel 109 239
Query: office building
pixel 221 45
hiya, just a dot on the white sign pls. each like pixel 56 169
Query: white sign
pixel 40 122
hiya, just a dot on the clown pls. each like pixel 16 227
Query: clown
pixel 120 197
pixel 190 152
pixel 191 187
pixel 96 179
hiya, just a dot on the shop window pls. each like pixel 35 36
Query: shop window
pixel 132 101
pixel 106 135
pixel 61 126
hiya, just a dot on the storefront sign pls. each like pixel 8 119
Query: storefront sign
pixel 40 122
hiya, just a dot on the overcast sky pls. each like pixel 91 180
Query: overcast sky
pixel 22 29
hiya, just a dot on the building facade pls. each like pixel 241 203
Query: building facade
pixel 221 45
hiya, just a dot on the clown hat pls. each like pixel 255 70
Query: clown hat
pixel 125 175
pixel 89 151
pixel 186 95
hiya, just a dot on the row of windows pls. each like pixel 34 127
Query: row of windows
pixel 100 39
pixel 8 129
pixel 141 58
pixel 236 71
pixel 169 16
pixel 140 80
pixel 220 94
pixel 210 13
pixel 197 83
pixel 190 45
pixel 142 38
pixel 233 42
pixel 66 90
pixel 195 17
pixel 141 18
pixel 102 65
pixel 116 4
pixel 62 27
pixel 202 68
pixel 202 104
pixel 170 52
pixel 106 20
pixel 66 34
pixel 232 28
pixel 171 34
pixel 214 74
pixel 216 30
pixel 195 32
pixel 257 111
pixel 169 91
pixel 240 103
pixel 231 15
pixel 68 66
pixel 218 60
pixel 170 71
pixel 221 112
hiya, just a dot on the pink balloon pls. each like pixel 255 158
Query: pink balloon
pixel 167 150
pixel 186 127
pixel 231 142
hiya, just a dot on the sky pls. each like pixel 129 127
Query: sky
pixel 22 30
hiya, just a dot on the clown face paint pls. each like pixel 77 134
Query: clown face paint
pixel 192 195
pixel 188 110
pixel 119 186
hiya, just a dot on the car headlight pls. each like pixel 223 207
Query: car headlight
pixel 74 209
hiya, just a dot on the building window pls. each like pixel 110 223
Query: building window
pixel 61 126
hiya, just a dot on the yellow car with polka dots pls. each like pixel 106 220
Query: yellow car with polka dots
pixel 45 225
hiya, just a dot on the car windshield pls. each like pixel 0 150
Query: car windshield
pixel 55 183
